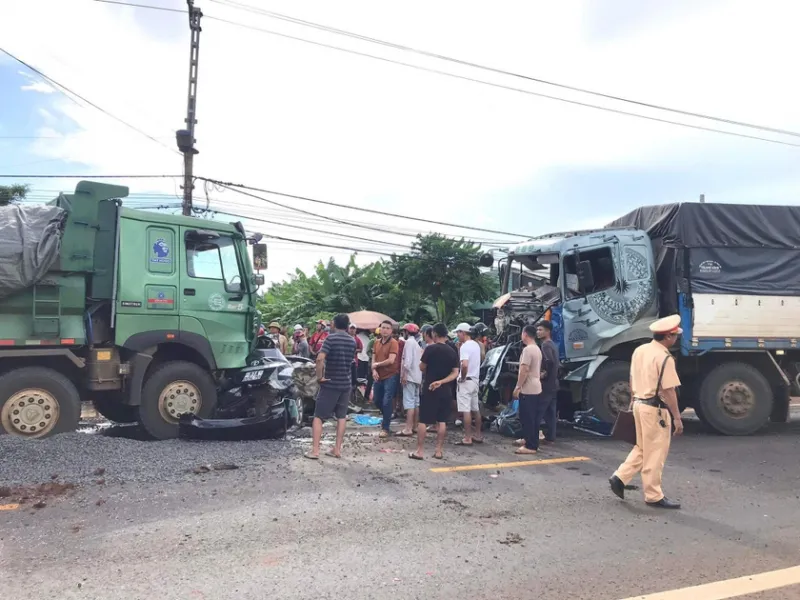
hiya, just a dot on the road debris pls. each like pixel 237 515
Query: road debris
pixel 512 538
pixel 99 471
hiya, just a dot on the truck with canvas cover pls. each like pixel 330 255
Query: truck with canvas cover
pixel 148 315
pixel 732 273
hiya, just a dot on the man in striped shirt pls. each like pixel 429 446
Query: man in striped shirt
pixel 335 384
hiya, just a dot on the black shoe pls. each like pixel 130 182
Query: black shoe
pixel 665 503
pixel 617 486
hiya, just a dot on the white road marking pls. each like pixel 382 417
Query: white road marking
pixel 730 588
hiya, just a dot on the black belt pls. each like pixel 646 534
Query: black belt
pixel 654 402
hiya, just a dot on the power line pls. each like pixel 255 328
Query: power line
pixel 330 233
pixel 467 63
pixel 90 176
pixel 501 86
pixel 230 185
pixel 493 84
pixel 134 5
pixel 67 91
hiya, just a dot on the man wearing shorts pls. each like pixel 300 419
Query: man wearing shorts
pixel 333 373
pixel 439 365
pixel 410 378
pixel 467 392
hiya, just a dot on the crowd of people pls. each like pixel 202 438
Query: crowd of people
pixel 422 375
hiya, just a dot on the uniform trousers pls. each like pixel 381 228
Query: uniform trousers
pixel 650 452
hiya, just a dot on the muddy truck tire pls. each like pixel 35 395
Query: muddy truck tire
pixel 37 402
pixel 172 389
pixel 608 391
pixel 735 399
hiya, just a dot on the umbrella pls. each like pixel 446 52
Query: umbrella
pixel 368 319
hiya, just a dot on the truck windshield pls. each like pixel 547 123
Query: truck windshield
pixel 528 274
pixel 215 260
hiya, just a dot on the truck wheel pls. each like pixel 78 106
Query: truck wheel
pixel 736 399
pixel 37 402
pixel 609 391
pixel 175 388
pixel 112 408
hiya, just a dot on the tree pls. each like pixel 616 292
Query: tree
pixel 10 194
pixel 445 276
pixel 438 281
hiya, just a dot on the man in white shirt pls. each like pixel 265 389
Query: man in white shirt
pixel 467 394
pixel 410 379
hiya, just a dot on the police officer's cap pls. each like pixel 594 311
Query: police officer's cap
pixel 667 325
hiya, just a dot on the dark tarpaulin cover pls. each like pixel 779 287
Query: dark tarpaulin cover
pixel 30 241
pixel 721 248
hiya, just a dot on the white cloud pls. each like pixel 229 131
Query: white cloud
pixel 293 117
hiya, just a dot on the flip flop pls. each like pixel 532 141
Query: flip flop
pixel 311 456
pixel 332 454
pixel 524 450
pixel 404 434
pixel 415 456
pixel 477 440
pixel 463 443
pixel 384 434
pixel 438 457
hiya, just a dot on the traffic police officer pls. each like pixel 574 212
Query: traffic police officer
pixel 654 403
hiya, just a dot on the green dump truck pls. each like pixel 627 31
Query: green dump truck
pixel 148 315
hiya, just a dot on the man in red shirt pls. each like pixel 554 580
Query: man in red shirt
pixel 319 336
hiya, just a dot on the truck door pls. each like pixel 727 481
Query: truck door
pixel 213 296
pixel 593 314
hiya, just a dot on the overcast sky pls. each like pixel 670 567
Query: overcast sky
pixel 301 119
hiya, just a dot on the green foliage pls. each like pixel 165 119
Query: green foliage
pixel 437 281
pixel 12 193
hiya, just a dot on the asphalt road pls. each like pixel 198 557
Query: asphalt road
pixel 376 524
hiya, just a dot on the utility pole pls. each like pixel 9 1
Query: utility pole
pixel 185 137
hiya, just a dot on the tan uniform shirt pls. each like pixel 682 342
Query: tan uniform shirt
pixel 532 356
pixel 646 365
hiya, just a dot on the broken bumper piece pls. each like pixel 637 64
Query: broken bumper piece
pixel 270 426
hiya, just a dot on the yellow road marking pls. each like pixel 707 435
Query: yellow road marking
pixel 518 463
pixel 730 588
pixel 9 506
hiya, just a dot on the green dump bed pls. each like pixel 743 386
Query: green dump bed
pixel 78 243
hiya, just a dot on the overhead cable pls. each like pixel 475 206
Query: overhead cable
pixel 67 91
pixel 429 54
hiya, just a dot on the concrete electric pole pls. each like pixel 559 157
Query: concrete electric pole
pixel 185 137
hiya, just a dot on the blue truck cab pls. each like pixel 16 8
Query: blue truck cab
pixel 730 271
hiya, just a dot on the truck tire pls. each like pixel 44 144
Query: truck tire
pixel 112 408
pixel 172 389
pixel 608 391
pixel 37 402
pixel 735 399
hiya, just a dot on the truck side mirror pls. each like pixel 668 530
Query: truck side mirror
pixel 260 257
pixel 258 279
pixel 502 273
pixel 585 277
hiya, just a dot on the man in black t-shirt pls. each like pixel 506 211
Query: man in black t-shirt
pixel 439 365
pixel 335 385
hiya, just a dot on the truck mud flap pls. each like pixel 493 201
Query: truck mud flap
pixel 269 426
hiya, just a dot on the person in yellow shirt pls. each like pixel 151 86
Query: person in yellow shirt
pixel 654 402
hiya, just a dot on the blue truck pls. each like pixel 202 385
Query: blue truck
pixel 732 272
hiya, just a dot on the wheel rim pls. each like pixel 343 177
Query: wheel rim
pixel 30 413
pixel 178 398
pixel 736 399
pixel 618 397
pixel 298 402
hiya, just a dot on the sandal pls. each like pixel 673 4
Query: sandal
pixel 383 434
pixel 332 454
pixel 404 434
pixel 477 440
pixel 438 456
pixel 524 450
pixel 311 456
pixel 463 443
pixel 415 456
